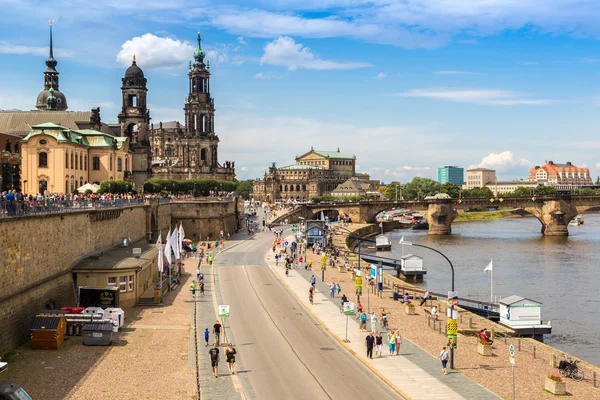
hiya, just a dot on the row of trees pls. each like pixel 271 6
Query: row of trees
pixel 419 188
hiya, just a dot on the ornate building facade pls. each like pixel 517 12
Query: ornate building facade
pixel 10 163
pixel 316 173
pixel 51 98
pixel 191 151
pixel 562 176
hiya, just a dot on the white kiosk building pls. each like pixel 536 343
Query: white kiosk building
pixel 524 316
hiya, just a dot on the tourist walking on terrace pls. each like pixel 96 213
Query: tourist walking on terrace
pixel 363 321
pixel 391 337
pixel 217 332
pixel 398 341
pixel 369 342
pixel 425 297
pixel 444 358
pixel 332 289
pixel 213 355
pixel 193 288
pixel 230 358
pixel 378 344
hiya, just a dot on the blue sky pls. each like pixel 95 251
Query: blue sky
pixel 405 85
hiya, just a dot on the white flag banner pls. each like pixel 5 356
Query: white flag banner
pixel 181 236
pixel 168 247
pixel 489 267
pixel 175 243
pixel 160 255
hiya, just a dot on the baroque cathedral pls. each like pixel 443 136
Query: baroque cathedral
pixel 169 150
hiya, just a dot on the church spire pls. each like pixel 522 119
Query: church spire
pixel 51 62
pixel 199 53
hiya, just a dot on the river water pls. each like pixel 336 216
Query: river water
pixel 559 272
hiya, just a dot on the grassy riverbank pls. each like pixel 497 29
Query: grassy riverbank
pixel 485 215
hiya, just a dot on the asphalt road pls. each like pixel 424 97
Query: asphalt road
pixel 286 353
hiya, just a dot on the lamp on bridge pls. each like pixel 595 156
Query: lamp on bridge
pixel 402 242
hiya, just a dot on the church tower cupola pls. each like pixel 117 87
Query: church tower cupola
pixel 199 106
pixel 134 116
pixel 51 82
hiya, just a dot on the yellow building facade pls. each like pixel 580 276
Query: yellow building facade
pixel 56 159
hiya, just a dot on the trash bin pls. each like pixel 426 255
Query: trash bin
pixel 396 296
pixel 117 314
pixel 97 334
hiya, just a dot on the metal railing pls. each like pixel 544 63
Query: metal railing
pixel 53 206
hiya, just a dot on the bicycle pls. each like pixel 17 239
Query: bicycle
pixel 570 369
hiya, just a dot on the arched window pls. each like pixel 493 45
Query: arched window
pixel 67 160
pixel 72 159
pixel 76 161
pixel 280 188
pixel 96 163
pixel 80 162
pixel 43 160
pixel 111 162
pixel 126 163
pixel 304 188
pixel 81 182
pixel 119 164
pixel 297 188
pixel 203 155
pixel 72 182
pixel 285 188
pixel 291 188
pixel 85 164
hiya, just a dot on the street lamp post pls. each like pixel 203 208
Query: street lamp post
pixel 402 242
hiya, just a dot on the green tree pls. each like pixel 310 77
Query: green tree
pixel 244 188
pixel 484 192
pixel 451 189
pixel 522 191
pixel 390 190
pixel 419 188
pixel 598 181
pixel 545 191
pixel 115 187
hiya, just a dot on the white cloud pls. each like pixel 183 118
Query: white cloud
pixel 504 161
pixel 528 63
pixel 449 72
pixel 285 52
pixel 244 169
pixel 404 171
pixel 597 166
pixel 476 96
pixel 10 48
pixel 267 76
pixel 382 75
pixel 241 40
pixel 155 52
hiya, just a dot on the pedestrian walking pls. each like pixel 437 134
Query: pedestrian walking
pixel 338 288
pixel 426 297
pixel 363 321
pixel 198 272
pixel 206 335
pixel 369 342
pixel 217 332
pixel 313 281
pixel 444 359
pixel 378 344
pixel 230 358
pixel 373 322
pixel 391 337
pixel 398 341
pixel 202 288
pixel 213 355
pixel 310 263
pixel 332 289
pixel 193 288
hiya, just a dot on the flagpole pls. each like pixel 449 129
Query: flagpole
pixel 492 282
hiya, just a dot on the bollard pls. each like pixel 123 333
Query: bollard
pixel 519 345
pixel 552 361
pixel 470 322
pixel 504 338
pixel 460 316
pixel 534 351
pixel 440 327
pixel 594 379
pixel 428 322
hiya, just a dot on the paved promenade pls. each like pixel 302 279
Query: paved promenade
pixel 415 374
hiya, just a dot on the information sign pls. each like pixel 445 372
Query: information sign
pixel 511 350
pixel 223 311
pixel 348 308
pixel 358 281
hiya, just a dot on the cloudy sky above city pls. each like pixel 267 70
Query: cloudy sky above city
pixel 405 85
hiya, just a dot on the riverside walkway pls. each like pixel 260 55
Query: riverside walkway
pixel 414 374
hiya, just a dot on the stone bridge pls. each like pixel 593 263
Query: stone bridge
pixel 554 212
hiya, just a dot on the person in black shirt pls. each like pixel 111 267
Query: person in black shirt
pixel 369 342
pixel 217 332
pixel 378 344
pixel 213 354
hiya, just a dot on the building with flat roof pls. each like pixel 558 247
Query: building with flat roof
pixel 452 174
pixel 499 188
pixel 479 177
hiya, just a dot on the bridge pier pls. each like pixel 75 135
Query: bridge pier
pixel 440 217
pixel 555 216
